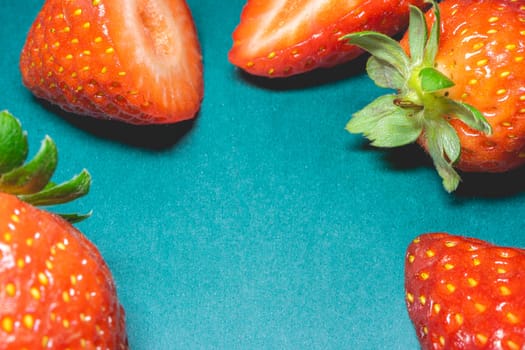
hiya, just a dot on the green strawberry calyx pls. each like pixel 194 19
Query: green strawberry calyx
pixel 420 105
pixel 31 180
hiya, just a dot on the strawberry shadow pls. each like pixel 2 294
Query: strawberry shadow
pixel 314 78
pixel 154 137
pixel 472 186
pixel 492 185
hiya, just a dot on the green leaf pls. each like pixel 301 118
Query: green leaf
pixel 382 47
pixel 34 175
pixel 433 40
pixel 383 74
pixel 65 192
pixel 13 142
pixel 385 124
pixel 417 34
pixel 75 218
pixel 469 115
pixel 444 147
pixel 433 80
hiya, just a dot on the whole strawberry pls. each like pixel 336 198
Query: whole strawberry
pixel 459 93
pixel 134 61
pixel 56 291
pixel 284 38
pixel 464 293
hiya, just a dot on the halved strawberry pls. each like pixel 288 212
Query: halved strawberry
pixel 464 293
pixel 56 291
pixel 278 38
pixel 460 90
pixel 135 61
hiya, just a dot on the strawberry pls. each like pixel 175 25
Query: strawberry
pixel 56 291
pixel 137 62
pixel 459 90
pixel 283 38
pixel 465 293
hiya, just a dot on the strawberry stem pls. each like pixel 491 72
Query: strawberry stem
pixel 31 181
pixel 420 109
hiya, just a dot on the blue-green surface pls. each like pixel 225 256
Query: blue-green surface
pixel 263 224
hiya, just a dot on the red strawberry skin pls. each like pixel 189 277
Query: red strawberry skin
pixel 464 293
pixel 482 49
pixel 283 38
pixel 56 291
pixel 138 62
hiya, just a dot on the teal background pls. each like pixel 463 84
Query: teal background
pixel 263 224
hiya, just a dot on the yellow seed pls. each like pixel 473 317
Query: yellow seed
pixel 110 50
pixel 42 278
pixel 35 293
pixel 437 308
pixel 512 345
pixel 480 307
pixel 493 19
pixel 69 56
pixel 271 55
pixel 86 25
pixel 65 323
pixel 501 91
pixel 451 244
pixel 410 297
pixel 472 282
pixel 8 236
pixel 450 287
pixel 424 275
pixel 482 338
pixel 250 64
pixel 73 279
pixel 77 12
pixel 29 242
pixel 121 74
pixel 478 46
pixel 492 31
pixel 442 340
pixel 65 297
pixel 459 319
pixel 510 46
pixel 74 41
pixel 10 289
pixel 411 258
pixel 86 52
pixel 449 266
pixel 430 253
pixel 476 262
pixel 96 2
pixel 482 62
pixel 45 341
pixel 423 299
pixel 271 71
pixel 518 59
pixel 28 321
pixel 501 271
pixel 505 291
pixel 504 74
pixel 20 263
pixel 512 318
pixel 417 240
pixel 66 29
pixel 7 324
